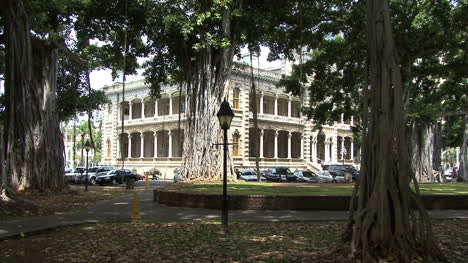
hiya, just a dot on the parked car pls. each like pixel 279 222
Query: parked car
pixel 341 172
pixel 249 176
pixel 103 170
pixel 94 172
pixel 306 176
pixel 279 174
pixel 139 177
pixel 74 175
pixel 325 177
pixel 116 177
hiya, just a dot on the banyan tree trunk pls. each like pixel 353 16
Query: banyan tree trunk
pixel 206 86
pixel 3 181
pixel 464 152
pixel 422 150
pixel 390 222
pixel 35 150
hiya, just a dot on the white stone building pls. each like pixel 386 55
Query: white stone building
pixel 152 139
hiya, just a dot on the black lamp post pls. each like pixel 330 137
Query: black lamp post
pixel 225 115
pixel 87 147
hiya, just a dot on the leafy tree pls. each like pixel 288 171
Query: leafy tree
pixel 384 225
pixel 47 31
pixel 192 44
pixel 429 37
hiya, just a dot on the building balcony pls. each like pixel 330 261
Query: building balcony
pixel 152 120
pixel 277 118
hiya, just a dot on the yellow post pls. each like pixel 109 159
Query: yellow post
pixel 146 180
pixel 136 206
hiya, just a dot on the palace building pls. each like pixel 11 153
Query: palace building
pixel 153 139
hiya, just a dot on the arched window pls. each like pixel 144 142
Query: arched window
pixel 236 102
pixel 108 148
pixel 235 144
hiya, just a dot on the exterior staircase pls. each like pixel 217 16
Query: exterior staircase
pixel 314 167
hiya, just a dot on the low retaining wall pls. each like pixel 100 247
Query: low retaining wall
pixel 281 202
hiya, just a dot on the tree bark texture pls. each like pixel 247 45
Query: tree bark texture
pixel 3 177
pixel 206 85
pixel 383 226
pixel 422 150
pixel 463 169
pixel 35 149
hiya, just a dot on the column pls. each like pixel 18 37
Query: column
pixel 170 144
pixel 129 146
pixel 261 103
pixel 343 147
pixel 119 111
pixel 142 145
pixel 302 147
pixel 170 105
pixel 185 106
pixel 342 118
pixel 352 121
pixel 289 106
pixel 261 143
pixel 327 151
pixel 334 147
pixel 315 150
pixel 276 145
pixel 119 154
pixel 352 147
pixel 130 107
pixel 276 105
pixel 155 134
pixel 142 109
pixel 156 108
pixel 289 145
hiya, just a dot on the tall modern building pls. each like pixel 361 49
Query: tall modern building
pixel 152 138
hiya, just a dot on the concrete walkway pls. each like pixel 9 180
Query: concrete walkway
pixel 120 210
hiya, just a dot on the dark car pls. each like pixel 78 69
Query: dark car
pixel 74 175
pixel 249 176
pixel 116 177
pixel 279 174
pixel 340 170
pixel 94 172
pixel 306 176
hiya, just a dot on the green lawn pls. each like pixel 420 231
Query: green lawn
pixel 241 188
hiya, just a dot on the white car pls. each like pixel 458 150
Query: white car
pixel 325 177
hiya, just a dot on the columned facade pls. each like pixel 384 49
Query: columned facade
pixel 153 137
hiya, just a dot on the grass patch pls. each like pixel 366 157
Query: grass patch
pixel 247 188
pixel 204 242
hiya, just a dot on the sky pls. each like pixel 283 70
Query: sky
pixel 99 78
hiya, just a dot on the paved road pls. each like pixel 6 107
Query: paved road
pixel 120 210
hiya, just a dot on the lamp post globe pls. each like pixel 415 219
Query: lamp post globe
pixel 225 116
pixel 87 147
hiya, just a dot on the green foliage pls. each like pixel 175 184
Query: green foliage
pixel 431 39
